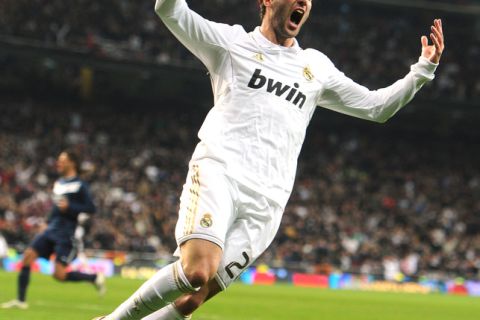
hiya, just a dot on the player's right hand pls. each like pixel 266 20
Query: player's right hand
pixel 42 227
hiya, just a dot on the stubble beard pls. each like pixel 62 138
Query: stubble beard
pixel 279 24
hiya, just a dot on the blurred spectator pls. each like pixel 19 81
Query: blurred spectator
pixel 374 45
pixel 360 203
pixel 364 203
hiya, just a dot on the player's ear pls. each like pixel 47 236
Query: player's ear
pixel 266 3
pixel 262 8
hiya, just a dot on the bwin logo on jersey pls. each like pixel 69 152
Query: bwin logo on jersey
pixel 279 89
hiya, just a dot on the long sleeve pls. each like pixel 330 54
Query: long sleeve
pixel 205 39
pixel 344 95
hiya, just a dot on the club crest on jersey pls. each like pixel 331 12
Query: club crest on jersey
pixel 259 57
pixel 289 93
pixel 307 73
pixel 206 220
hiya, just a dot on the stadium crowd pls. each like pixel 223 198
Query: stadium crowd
pixel 350 33
pixel 362 202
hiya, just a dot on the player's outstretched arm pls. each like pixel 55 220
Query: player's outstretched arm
pixel 344 95
pixel 434 52
pixel 204 38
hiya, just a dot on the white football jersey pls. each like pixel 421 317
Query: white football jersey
pixel 265 96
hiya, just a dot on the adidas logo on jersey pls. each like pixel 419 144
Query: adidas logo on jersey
pixel 290 93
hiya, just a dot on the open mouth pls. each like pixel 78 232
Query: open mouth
pixel 297 16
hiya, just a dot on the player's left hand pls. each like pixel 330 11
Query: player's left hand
pixel 434 52
pixel 62 204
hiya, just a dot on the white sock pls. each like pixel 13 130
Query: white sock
pixel 164 287
pixel 167 313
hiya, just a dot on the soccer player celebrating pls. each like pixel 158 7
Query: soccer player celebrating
pixel 71 197
pixel 266 88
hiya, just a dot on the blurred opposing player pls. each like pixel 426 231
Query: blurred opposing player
pixel 266 88
pixel 84 223
pixel 3 249
pixel 72 197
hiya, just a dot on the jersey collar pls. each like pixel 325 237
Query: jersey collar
pixel 267 44
pixel 68 179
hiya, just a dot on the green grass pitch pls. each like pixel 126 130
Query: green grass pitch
pixel 50 300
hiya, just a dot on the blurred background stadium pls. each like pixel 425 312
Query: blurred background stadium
pixel 397 202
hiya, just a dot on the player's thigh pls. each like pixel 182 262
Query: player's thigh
pixel 200 256
pixel 249 236
pixel 43 245
pixel 206 205
pixel 65 251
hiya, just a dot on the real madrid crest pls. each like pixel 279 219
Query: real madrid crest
pixel 307 73
pixel 206 220
pixel 259 57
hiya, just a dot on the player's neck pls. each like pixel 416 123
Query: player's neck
pixel 268 32
pixel 70 174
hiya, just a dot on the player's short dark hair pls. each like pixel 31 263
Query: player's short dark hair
pixel 262 9
pixel 74 157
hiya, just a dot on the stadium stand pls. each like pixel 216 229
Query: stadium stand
pixel 367 199
pixel 349 32
pixel 360 200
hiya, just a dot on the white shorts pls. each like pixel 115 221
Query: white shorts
pixel 216 208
